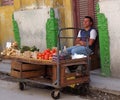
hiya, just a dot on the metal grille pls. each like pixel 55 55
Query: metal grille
pixel 84 8
pixel 95 13
pixel 7 2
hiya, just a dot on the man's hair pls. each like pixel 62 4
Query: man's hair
pixel 90 18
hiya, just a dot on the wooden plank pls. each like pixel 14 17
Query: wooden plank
pixel 70 75
pixel 30 60
pixel 44 62
pixel 16 65
pixel 73 60
pixel 75 63
pixel 54 73
pixel 62 76
pixel 29 74
pixel 76 80
pixel 25 67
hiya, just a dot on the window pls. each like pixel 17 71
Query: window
pixel 7 2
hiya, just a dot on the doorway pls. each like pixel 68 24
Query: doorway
pixel 83 8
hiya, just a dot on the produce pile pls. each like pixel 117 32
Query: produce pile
pixel 11 50
pixel 29 52
pixel 47 54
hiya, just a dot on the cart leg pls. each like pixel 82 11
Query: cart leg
pixel 22 85
pixel 55 94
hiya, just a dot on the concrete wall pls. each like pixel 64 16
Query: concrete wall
pixel 6 33
pixel 32 27
pixel 111 9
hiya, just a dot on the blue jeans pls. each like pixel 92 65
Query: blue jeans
pixel 79 50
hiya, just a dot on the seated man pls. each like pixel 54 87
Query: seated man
pixel 81 44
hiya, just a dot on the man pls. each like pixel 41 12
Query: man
pixel 84 43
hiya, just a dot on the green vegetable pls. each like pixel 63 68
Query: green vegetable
pixel 27 48
pixel 24 48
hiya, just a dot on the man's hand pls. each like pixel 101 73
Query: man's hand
pixel 78 42
pixel 82 43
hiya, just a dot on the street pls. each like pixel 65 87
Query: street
pixel 10 91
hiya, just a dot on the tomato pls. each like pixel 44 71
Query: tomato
pixel 46 57
pixel 39 54
pixel 50 58
pixel 40 58
pixel 48 50
pixel 50 55
pixel 43 57
pixel 46 54
pixel 54 50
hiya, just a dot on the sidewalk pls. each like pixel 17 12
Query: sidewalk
pixel 105 84
pixel 10 91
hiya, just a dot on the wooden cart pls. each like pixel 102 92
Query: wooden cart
pixel 45 73
pixel 52 73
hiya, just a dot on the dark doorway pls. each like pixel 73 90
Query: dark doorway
pixel 83 8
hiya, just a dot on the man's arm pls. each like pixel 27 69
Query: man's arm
pixel 83 43
pixel 91 41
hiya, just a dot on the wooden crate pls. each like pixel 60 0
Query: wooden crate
pixel 23 70
pixel 71 78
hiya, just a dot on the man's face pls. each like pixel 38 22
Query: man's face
pixel 87 23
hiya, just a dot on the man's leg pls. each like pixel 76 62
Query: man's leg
pixel 81 50
pixel 70 49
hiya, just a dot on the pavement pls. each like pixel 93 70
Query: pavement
pixel 10 91
pixel 105 84
pixel 5 66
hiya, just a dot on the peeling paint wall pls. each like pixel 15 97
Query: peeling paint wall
pixel 6 28
pixel 111 9
pixel 32 27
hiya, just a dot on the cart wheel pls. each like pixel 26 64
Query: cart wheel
pixel 55 94
pixel 22 85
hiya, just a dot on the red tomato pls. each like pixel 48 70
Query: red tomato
pixel 54 50
pixel 50 55
pixel 47 53
pixel 40 58
pixel 48 50
pixel 43 57
pixel 46 57
pixel 39 55
pixel 44 53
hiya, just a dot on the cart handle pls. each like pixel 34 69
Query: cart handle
pixel 67 29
